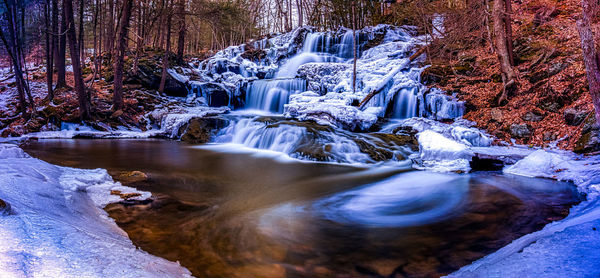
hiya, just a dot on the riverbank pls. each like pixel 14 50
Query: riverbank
pixel 52 223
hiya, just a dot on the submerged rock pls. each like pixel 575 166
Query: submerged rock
pixel 131 177
pixel 201 130
pixel 313 141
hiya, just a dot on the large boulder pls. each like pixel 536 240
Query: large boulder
pixel 149 75
pixel 590 136
pixel 575 116
pixel 216 94
pixel 520 130
pixel 202 130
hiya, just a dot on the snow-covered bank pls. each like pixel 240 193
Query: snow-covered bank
pixel 566 248
pixel 56 226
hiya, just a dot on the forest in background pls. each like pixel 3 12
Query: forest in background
pixel 529 51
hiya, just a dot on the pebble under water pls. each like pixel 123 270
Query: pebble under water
pixel 250 215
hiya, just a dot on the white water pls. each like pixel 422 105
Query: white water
pixel 405 104
pixel 271 95
pixel 291 139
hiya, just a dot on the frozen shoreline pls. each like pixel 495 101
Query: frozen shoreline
pixel 565 248
pixel 55 226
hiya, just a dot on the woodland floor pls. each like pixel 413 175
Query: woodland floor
pixel 551 72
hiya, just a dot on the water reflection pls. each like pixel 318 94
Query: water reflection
pixel 240 215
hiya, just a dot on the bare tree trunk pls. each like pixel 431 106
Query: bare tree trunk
pixel 110 27
pixel 81 42
pixel 61 56
pixel 11 48
pixel 354 45
pixel 120 53
pixel 591 57
pixel 140 37
pixel 181 36
pixel 509 32
pixel 49 51
pixel 55 36
pixel 300 13
pixel 84 108
pixel 502 48
pixel 165 59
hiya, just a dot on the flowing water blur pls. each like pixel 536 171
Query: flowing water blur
pixel 252 215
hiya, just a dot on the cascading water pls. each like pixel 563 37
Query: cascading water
pixel 271 95
pixel 317 47
pixel 405 104
pixel 294 140
pixel 381 66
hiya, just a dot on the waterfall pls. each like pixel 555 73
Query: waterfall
pixel 293 140
pixel 271 95
pixel 405 103
pixel 346 46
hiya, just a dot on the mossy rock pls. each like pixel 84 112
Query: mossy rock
pixel 590 136
pixel 201 130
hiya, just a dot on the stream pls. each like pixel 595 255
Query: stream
pixel 256 214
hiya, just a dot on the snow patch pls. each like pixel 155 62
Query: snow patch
pixel 57 227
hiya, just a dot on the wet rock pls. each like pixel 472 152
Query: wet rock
pixel 520 130
pixel 589 141
pixel 125 196
pixel 201 130
pixel 5 208
pixel 255 55
pixel 215 94
pixel 131 177
pixel 532 117
pixel 149 75
pixel 496 114
pixel 575 116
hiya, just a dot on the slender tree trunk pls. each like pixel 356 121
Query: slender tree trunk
pixel 165 59
pixel 502 48
pixel 181 36
pixel 81 42
pixel 84 108
pixel 140 36
pixel 49 51
pixel 95 38
pixel 354 45
pixel 61 56
pixel 509 32
pixel 591 57
pixel 11 48
pixel 110 26
pixel 120 53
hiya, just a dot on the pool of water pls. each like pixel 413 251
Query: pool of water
pixel 226 214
